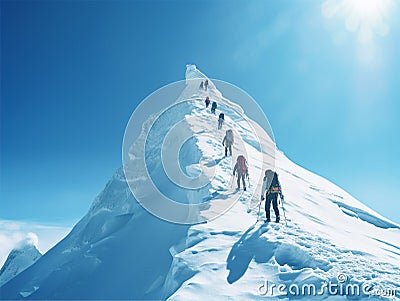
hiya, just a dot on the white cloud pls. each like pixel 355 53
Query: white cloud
pixel 30 239
pixel 15 233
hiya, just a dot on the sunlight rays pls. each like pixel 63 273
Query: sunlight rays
pixel 363 17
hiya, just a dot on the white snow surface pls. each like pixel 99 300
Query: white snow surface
pixel 120 251
pixel 20 258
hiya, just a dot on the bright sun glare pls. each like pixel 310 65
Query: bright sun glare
pixel 364 17
pixel 368 9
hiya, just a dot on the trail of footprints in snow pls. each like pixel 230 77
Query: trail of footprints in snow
pixel 296 250
pixel 327 259
pixel 292 252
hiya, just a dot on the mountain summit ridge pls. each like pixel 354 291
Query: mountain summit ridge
pixel 20 258
pixel 118 250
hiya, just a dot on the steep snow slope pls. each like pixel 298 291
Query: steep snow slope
pixel 120 251
pixel 117 251
pixel 18 260
pixel 328 233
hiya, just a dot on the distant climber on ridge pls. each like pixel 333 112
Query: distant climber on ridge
pixel 201 86
pixel 221 120
pixel 206 85
pixel 242 171
pixel 213 107
pixel 271 188
pixel 207 101
pixel 228 141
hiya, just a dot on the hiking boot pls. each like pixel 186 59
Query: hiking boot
pixel 277 220
pixel 268 220
pixel 244 189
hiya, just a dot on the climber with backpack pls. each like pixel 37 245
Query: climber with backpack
pixel 206 84
pixel 221 120
pixel 213 107
pixel 227 142
pixel 271 189
pixel 242 171
pixel 207 101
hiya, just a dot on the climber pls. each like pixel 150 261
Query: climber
pixel 227 142
pixel 207 101
pixel 221 120
pixel 206 84
pixel 201 86
pixel 242 171
pixel 213 107
pixel 271 187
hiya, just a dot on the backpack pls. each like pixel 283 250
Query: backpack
pixel 221 116
pixel 241 164
pixel 229 136
pixel 272 177
pixel 214 104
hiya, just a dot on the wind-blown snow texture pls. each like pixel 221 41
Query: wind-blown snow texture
pixel 120 251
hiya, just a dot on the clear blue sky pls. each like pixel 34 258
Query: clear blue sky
pixel 73 72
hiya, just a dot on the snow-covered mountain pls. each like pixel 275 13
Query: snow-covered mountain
pixel 120 251
pixel 23 256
